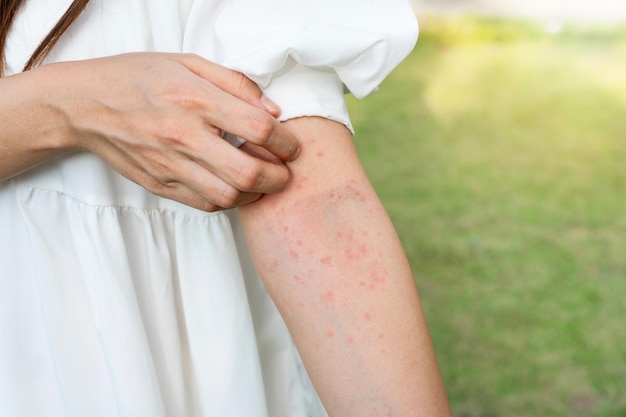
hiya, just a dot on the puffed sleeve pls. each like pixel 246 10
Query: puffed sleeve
pixel 306 54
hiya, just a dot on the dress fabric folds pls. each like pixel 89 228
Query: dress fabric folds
pixel 116 302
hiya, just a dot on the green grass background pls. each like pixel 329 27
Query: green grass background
pixel 500 153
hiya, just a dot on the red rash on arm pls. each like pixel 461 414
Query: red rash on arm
pixel 333 264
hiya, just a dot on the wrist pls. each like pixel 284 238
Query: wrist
pixel 32 114
pixel 33 129
pixel 51 101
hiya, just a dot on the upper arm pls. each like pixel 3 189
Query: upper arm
pixel 327 166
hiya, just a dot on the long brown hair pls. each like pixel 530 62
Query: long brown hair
pixel 8 11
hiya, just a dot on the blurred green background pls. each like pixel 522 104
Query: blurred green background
pixel 498 148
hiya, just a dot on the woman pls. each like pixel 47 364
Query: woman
pixel 126 290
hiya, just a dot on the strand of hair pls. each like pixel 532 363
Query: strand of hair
pixel 9 10
pixel 55 34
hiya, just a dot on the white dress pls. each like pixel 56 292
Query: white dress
pixel 116 302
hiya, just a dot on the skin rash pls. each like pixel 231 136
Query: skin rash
pixel 333 264
pixel 318 280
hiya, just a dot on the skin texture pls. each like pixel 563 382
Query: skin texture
pixel 332 262
pixel 322 242
pixel 156 118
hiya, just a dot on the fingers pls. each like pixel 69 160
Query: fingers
pixel 183 194
pixel 250 123
pixel 259 152
pixel 206 172
pixel 187 182
pixel 244 110
pixel 212 177
pixel 171 144
pixel 235 167
pixel 236 180
pixel 262 130
pixel 232 82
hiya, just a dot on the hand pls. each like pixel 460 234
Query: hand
pixel 157 119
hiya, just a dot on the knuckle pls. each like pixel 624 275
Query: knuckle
pixel 158 182
pixel 249 176
pixel 184 134
pixel 263 127
pixel 162 167
pixel 186 97
pixel 155 186
pixel 177 134
pixel 208 206
pixel 182 94
pixel 228 197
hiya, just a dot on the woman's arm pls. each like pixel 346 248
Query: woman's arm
pixel 155 118
pixel 332 262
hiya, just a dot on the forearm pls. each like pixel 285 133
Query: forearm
pixel 32 129
pixel 333 264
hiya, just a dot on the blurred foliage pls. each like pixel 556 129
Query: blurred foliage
pixel 499 151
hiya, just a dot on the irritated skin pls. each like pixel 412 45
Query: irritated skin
pixel 324 246
pixel 333 264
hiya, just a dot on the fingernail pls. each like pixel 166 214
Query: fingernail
pixel 296 154
pixel 270 105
